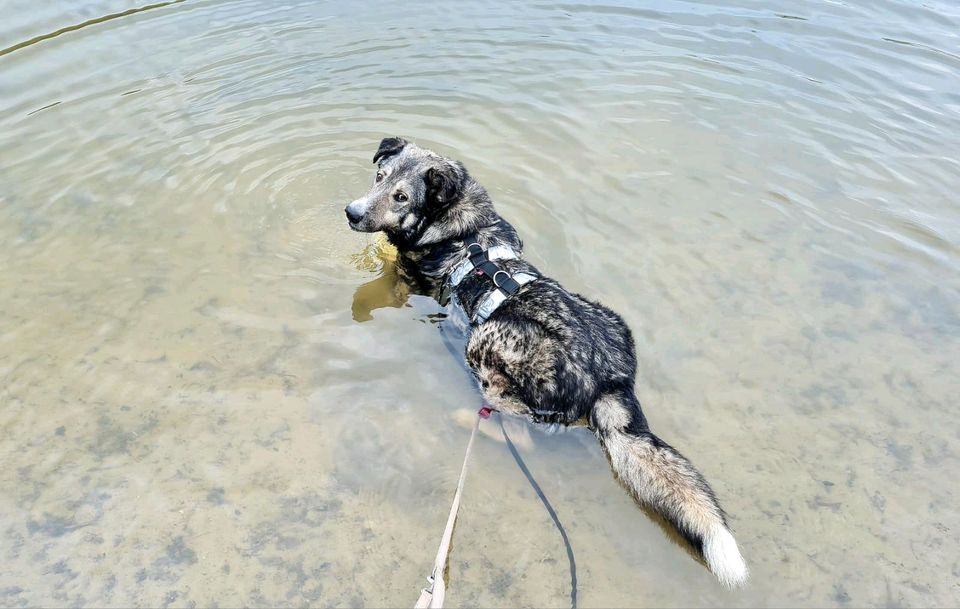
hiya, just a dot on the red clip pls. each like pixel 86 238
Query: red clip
pixel 485 412
pixel 479 273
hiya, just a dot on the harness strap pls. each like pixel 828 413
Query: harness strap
pixel 482 261
pixel 477 256
pixel 497 297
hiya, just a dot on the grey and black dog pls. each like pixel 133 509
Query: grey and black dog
pixel 544 353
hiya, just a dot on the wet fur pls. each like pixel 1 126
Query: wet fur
pixel 546 353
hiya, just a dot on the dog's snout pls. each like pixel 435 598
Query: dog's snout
pixel 353 215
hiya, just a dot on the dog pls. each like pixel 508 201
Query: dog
pixel 536 350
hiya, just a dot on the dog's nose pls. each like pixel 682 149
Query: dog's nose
pixel 352 215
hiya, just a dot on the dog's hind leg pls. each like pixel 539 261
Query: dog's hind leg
pixel 659 477
pixel 514 365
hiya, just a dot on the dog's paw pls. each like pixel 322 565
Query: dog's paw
pixel 464 417
pixel 518 430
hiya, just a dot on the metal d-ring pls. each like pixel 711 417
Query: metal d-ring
pixel 495 278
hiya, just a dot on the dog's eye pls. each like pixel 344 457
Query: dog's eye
pixel 400 197
pixel 379 176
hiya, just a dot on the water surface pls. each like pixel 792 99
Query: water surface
pixel 213 393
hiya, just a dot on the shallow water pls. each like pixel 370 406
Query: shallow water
pixel 213 392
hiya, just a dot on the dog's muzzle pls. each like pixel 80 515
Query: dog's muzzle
pixel 356 212
pixel 353 216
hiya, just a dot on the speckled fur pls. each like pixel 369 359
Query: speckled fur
pixel 546 353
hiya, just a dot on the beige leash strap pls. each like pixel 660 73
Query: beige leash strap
pixel 432 595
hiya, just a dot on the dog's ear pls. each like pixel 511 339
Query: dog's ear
pixel 444 182
pixel 389 146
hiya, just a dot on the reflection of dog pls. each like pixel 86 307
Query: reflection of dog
pixel 387 290
pixel 537 350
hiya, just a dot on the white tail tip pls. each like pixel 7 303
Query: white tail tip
pixel 723 557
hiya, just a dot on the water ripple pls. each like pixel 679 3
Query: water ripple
pixel 766 190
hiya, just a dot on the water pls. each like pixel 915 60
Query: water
pixel 214 393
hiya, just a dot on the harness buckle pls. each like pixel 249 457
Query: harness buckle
pixel 477 254
pixel 494 278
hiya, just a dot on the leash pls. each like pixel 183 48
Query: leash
pixel 432 595
pixel 553 514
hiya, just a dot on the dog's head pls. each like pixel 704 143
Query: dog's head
pixel 412 187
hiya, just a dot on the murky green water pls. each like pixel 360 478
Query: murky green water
pixel 209 398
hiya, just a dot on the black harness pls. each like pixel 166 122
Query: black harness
pixel 483 263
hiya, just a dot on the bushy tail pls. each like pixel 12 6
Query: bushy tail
pixel 664 480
